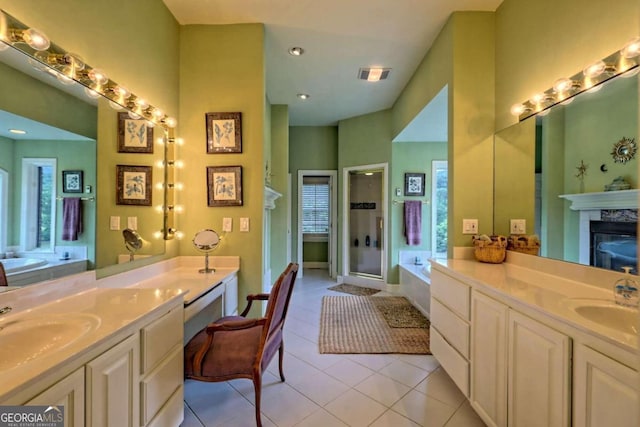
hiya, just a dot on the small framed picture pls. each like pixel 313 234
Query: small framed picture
pixel 224 132
pixel 72 181
pixel 133 185
pixel 134 136
pixel 224 185
pixel 414 184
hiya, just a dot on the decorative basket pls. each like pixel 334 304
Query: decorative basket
pixel 529 245
pixel 491 249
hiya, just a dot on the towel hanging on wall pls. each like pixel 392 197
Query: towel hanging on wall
pixel 413 222
pixel 71 218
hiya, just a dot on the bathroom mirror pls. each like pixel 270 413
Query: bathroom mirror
pixel 34 97
pixel 206 241
pixel 546 162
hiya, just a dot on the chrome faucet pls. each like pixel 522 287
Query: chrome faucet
pixel 625 290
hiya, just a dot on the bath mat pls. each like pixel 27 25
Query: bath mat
pixel 353 290
pixel 353 324
pixel 399 313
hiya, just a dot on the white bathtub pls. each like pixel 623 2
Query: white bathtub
pixel 15 265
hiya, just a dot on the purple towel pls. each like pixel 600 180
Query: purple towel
pixel 71 218
pixel 413 222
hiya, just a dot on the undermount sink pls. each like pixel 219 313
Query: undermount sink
pixel 25 340
pixel 607 313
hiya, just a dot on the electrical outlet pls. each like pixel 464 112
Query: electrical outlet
pixel 518 226
pixel 114 223
pixel 227 225
pixel 244 224
pixel 398 192
pixel 469 226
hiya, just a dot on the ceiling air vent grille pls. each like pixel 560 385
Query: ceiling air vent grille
pixel 373 74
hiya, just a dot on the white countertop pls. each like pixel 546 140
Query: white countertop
pixel 103 313
pixel 545 293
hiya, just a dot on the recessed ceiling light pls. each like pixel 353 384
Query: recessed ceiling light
pixel 304 96
pixel 296 51
pixel 18 131
pixel 373 74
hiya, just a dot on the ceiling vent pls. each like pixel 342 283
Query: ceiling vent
pixel 373 74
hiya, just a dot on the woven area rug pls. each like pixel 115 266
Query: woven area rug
pixel 353 290
pixel 353 324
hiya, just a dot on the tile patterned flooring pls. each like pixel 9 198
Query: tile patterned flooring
pixel 327 390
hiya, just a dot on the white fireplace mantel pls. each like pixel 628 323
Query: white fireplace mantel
pixel 621 199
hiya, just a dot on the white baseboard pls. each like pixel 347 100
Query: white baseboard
pixel 318 265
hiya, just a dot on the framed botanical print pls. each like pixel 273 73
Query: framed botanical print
pixel 224 132
pixel 414 184
pixel 133 185
pixel 224 186
pixel 134 135
pixel 72 181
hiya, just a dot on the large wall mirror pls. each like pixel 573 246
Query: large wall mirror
pixel 69 150
pixel 563 172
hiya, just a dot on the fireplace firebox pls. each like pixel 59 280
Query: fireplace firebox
pixel 614 245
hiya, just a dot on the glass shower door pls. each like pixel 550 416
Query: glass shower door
pixel 366 223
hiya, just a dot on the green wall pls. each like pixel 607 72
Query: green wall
pixel 310 148
pixel 279 179
pixel 411 157
pixel 229 82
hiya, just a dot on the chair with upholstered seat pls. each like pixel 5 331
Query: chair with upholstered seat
pixel 236 347
pixel 3 276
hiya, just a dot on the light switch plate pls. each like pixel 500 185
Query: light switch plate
pixel 469 226
pixel 518 226
pixel 114 223
pixel 244 224
pixel 132 222
pixel 227 225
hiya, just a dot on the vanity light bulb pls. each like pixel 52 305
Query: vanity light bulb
pixel 121 92
pixel 179 209
pixel 98 77
pixel 517 109
pixel 160 164
pixel 179 141
pixel 141 103
pixel 171 122
pixel 157 235
pixel 160 186
pixel 562 85
pixel 36 39
pixel 160 208
pixel 537 98
pixel 179 164
pixel 178 186
pixel 158 114
pixel 595 69
pixel 133 115
pixel 160 141
pixel 179 235
pixel 631 49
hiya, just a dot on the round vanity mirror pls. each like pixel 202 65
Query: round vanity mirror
pixel 206 241
pixel 132 241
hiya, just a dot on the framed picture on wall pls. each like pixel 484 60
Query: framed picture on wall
pixel 133 185
pixel 72 181
pixel 413 184
pixel 134 136
pixel 224 132
pixel 224 186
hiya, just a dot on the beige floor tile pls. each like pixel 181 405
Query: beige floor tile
pixel 440 386
pixel 216 403
pixel 465 416
pixel 349 372
pixel 321 418
pixel 383 389
pixel 393 419
pixel 374 362
pixel 355 409
pixel 319 387
pixel 190 419
pixel 286 406
pixel 404 372
pixel 424 410
pixel 422 361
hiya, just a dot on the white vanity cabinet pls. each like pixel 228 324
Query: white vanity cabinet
pixel 520 368
pixel 604 390
pixel 68 392
pixel 231 296
pixel 112 385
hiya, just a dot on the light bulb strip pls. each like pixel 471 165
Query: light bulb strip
pixel 565 89
pixel 36 45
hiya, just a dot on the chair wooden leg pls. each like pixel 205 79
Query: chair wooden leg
pixel 281 358
pixel 257 386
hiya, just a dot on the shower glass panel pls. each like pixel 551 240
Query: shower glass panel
pixel 365 223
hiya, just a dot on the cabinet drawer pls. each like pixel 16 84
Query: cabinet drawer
pixel 450 326
pixel 455 365
pixel 451 292
pixel 171 414
pixel 156 389
pixel 160 336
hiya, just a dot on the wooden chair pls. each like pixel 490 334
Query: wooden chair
pixel 3 276
pixel 236 347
